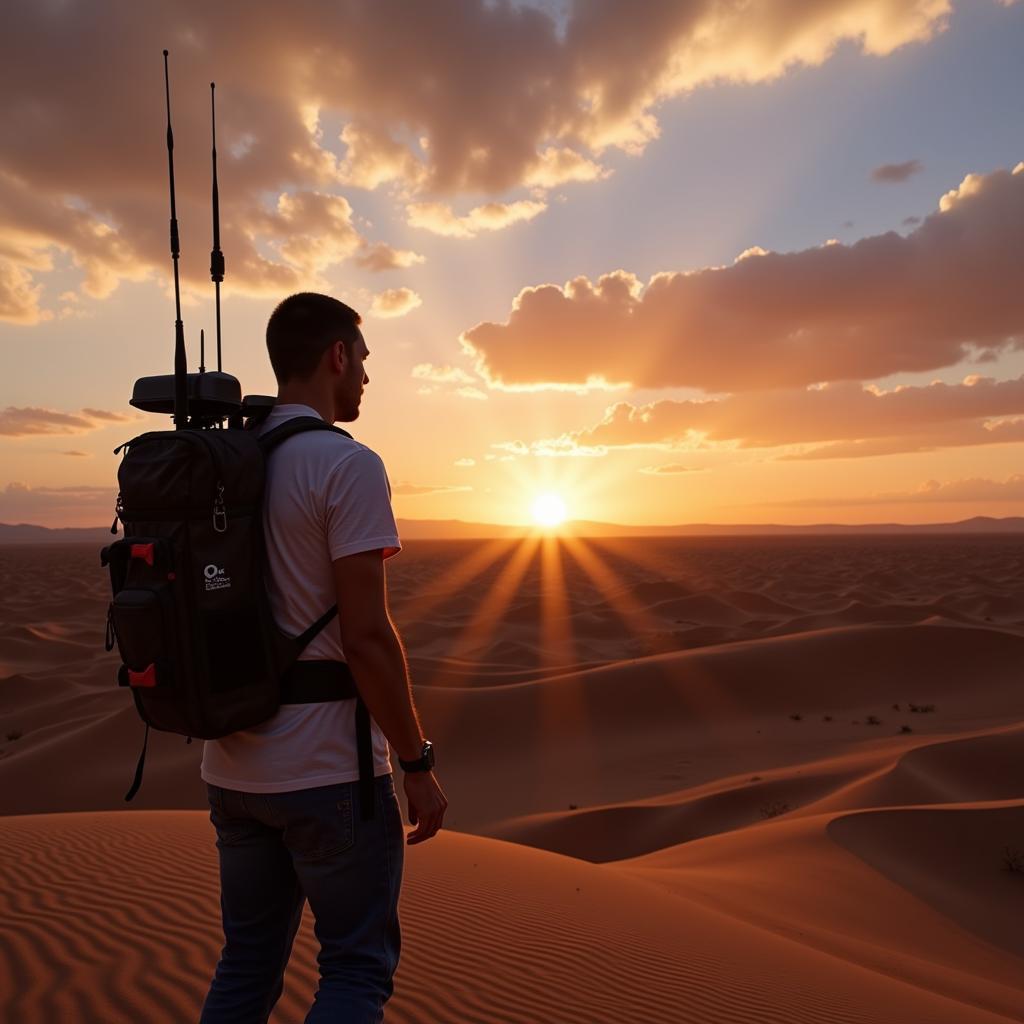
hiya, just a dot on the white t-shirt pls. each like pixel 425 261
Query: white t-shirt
pixel 326 496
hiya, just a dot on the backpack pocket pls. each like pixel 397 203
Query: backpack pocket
pixel 141 617
pixel 143 623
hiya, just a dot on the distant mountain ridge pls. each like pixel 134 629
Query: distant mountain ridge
pixel 456 529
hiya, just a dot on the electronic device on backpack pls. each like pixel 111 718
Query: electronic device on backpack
pixel 190 616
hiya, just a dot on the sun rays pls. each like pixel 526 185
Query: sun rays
pixel 528 607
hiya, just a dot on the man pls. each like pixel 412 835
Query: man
pixel 283 795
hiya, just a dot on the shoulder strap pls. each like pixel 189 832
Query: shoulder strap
pixel 268 441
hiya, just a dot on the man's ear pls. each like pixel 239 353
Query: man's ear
pixel 336 357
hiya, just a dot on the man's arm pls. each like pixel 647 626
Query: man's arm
pixel 374 651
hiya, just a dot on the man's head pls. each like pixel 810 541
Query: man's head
pixel 317 349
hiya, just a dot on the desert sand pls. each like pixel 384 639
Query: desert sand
pixel 699 780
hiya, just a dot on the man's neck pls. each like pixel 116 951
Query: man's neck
pixel 294 395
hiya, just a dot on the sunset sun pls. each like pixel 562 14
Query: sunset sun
pixel 548 509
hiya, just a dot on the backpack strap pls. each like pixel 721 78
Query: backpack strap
pixel 270 440
pixel 308 682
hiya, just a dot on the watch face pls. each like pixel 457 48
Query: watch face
pixel 428 753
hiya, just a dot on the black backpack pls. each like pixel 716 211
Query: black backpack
pixel 202 655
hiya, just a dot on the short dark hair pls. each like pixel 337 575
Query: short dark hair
pixel 302 328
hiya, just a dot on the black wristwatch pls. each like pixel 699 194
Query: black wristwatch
pixel 424 763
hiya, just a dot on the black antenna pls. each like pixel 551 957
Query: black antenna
pixel 202 350
pixel 216 256
pixel 180 369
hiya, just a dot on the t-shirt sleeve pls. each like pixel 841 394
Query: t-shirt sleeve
pixel 357 507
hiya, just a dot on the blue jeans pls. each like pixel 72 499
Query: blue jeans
pixel 276 851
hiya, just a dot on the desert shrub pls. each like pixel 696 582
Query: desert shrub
pixel 905 728
pixel 796 716
pixel 15 734
pixel 774 809
pixel 873 720
pixel 1013 859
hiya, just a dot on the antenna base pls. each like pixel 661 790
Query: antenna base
pixel 211 395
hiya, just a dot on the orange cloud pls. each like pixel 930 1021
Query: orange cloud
pixel 844 420
pixel 418 489
pixel 394 302
pixel 30 421
pixel 973 490
pixel 885 304
pixel 381 256
pixel 441 374
pixel 442 220
pixel 83 505
pixel 669 469
pixel 491 98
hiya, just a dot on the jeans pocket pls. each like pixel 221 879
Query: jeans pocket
pixel 230 831
pixel 321 827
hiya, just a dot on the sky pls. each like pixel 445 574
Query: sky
pixel 672 262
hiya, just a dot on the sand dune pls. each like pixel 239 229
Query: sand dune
pixel 112 917
pixel 798 878
pixel 771 779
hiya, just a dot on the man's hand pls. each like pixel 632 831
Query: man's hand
pixel 427 804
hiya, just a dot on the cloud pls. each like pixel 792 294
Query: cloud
pixel 394 302
pixel 82 505
pixel 442 374
pixel 108 415
pixel 885 304
pixel 465 462
pixel 971 490
pixel 419 489
pixel 30 421
pixel 492 98
pixel 380 256
pixel 556 447
pixel 559 165
pixel 19 297
pixel 895 173
pixel 668 469
pixel 76 453
pixel 845 420
pixel 373 158
pixel 442 220
pixel 311 231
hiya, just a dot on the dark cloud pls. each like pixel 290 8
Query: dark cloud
pixel 455 98
pixel 892 174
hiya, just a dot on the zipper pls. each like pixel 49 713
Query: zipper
pixel 220 514
pixel 118 512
